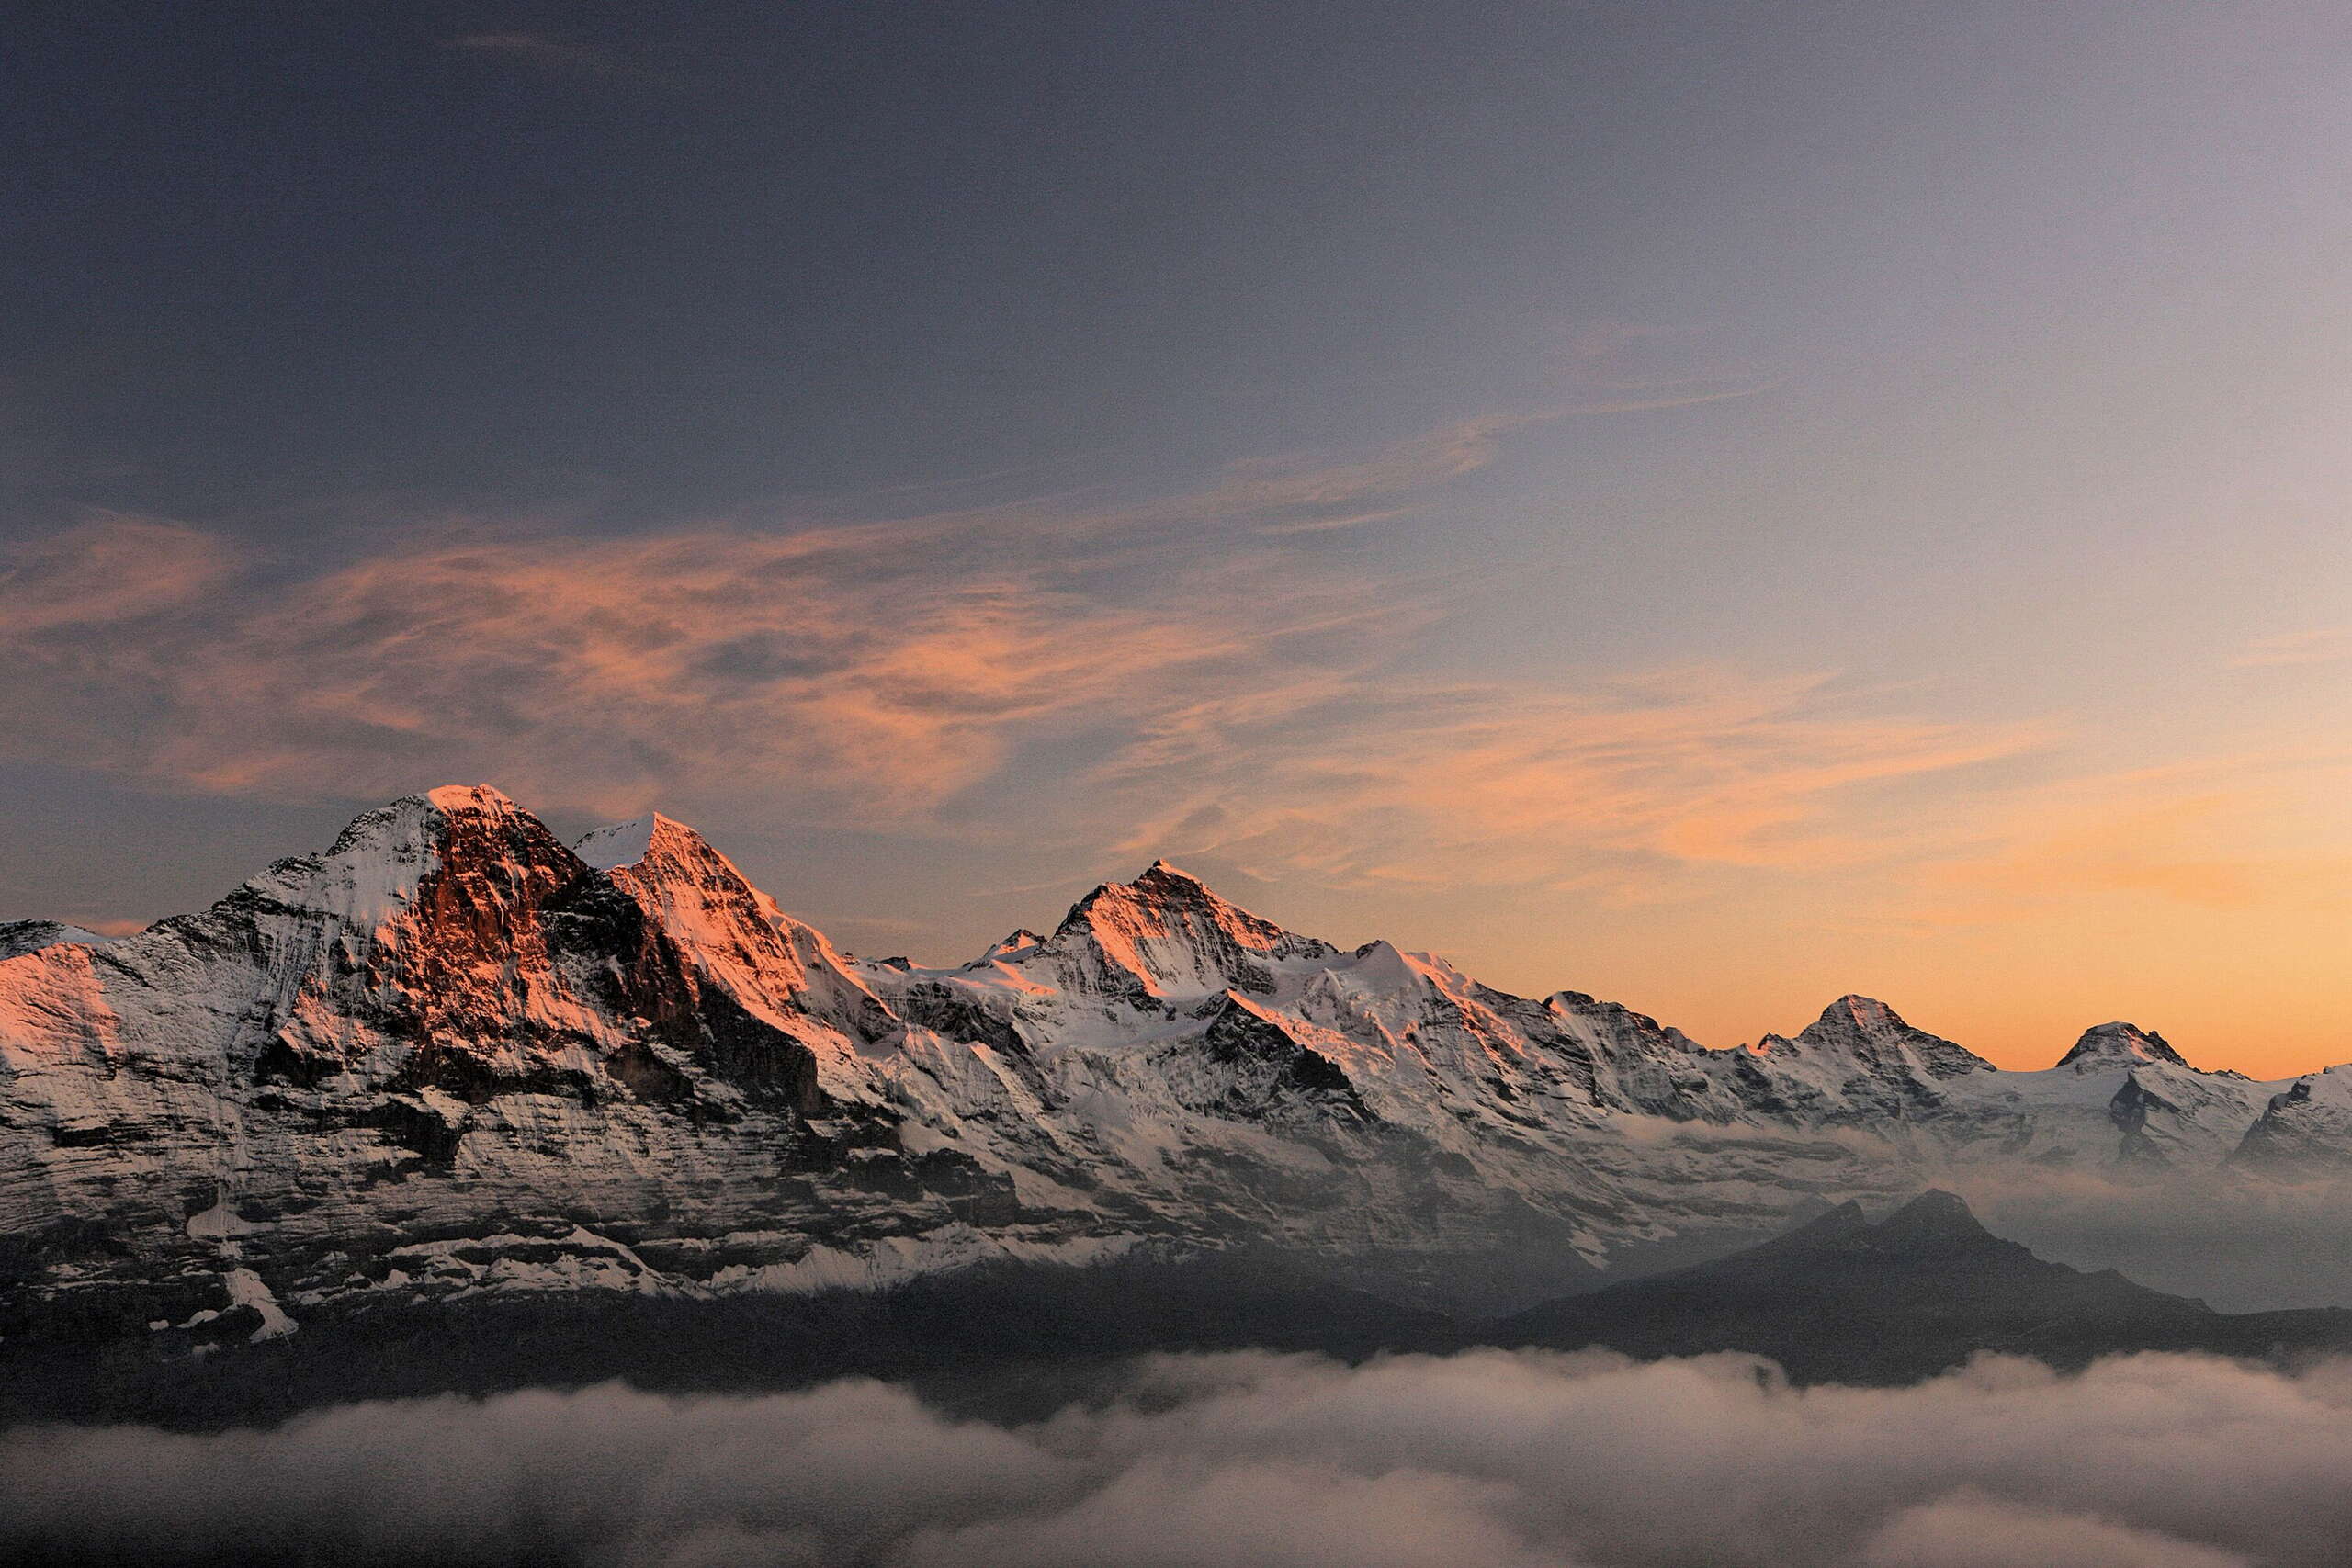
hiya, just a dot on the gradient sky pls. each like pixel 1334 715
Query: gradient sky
pixel 1713 504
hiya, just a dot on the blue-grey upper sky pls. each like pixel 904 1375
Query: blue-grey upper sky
pixel 1716 504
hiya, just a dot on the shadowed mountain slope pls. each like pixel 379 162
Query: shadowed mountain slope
pixel 1842 1300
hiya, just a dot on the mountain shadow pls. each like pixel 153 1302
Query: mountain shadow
pixel 1005 1340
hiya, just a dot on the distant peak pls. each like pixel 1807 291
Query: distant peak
pixel 1879 1038
pixel 1170 935
pixel 2120 1044
pixel 1161 886
pixel 1020 941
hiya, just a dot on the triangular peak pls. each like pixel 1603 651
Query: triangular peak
pixel 1163 893
pixel 768 960
pixel 2120 1046
pixel 1877 1036
pixel 658 849
pixel 1861 1012
pixel 1167 934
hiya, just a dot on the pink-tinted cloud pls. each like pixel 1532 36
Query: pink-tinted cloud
pixel 106 570
pixel 876 672
pixel 1604 781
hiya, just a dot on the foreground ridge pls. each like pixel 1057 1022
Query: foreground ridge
pixel 453 1056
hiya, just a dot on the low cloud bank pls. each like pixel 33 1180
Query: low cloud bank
pixel 1258 1461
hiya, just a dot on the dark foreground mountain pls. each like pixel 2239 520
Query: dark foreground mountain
pixel 1837 1300
pixel 1842 1300
pixel 1009 1340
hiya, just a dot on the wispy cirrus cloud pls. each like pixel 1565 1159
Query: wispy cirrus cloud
pixel 1603 781
pixel 885 673
pixel 114 568
pixel 603 673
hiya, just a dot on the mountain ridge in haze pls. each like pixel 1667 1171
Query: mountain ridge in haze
pixel 1841 1299
pixel 453 1056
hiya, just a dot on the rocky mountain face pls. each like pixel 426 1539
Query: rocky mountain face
pixel 453 1056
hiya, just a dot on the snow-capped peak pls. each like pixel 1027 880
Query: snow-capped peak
pixel 1018 942
pixel 470 798
pixel 1166 934
pixel 1877 1035
pixel 517 1029
pixel 2120 1044
pixel 1871 1037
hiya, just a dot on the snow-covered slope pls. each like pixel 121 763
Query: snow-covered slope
pixel 452 1054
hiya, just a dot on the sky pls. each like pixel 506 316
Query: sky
pixel 1714 505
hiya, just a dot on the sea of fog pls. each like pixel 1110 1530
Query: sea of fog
pixel 1255 1461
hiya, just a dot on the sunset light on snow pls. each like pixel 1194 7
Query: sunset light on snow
pixel 1189 783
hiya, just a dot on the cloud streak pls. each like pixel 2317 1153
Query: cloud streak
pixel 1255 1461
pixel 873 674
pixel 1226 692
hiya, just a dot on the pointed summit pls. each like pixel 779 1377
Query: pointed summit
pixel 774 965
pixel 653 849
pixel 1876 1038
pixel 1166 935
pixel 691 890
pixel 2120 1046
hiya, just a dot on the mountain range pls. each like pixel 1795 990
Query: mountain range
pixel 454 1058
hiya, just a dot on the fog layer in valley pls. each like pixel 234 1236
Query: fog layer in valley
pixel 2240 1245
pixel 1256 1461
